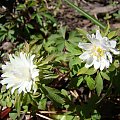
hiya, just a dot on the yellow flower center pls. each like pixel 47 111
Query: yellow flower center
pixel 98 51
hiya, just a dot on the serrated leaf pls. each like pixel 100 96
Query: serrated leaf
pixel 53 94
pixel 39 19
pixel 71 49
pixel 90 82
pixel 99 84
pixel 50 17
pixel 105 76
pixel 74 61
pixel 63 31
pixel 48 59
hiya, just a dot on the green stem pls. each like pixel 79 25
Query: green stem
pixel 94 20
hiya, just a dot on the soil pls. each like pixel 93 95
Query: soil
pixel 67 16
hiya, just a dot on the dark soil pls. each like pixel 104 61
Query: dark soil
pixel 67 16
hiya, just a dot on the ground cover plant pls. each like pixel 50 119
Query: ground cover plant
pixel 50 71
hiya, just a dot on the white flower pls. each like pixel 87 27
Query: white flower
pixel 98 52
pixel 20 73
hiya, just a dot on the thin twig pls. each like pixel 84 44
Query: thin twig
pixel 53 112
pixel 42 116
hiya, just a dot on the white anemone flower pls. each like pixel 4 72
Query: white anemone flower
pixel 98 51
pixel 20 73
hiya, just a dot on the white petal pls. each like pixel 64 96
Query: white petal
pixel 21 88
pixel 85 46
pixel 96 64
pixel 98 35
pixel 13 89
pixel 88 65
pixel 35 73
pixel 109 56
pixel 10 85
pixel 5 81
pixel 112 43
pixel 28 88
pixel 102 64
pixel 116 52
pixel 90 38
pixel 84 56
pixel 93 36
pixel 89 62
pixel 107 64
pixel 18 73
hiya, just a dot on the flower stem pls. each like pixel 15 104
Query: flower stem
pixel 94 20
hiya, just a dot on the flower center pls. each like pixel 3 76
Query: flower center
pixel 97 51
pixel 22 74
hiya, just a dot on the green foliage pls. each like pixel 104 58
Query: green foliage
pixel 117 15
pixel 64 86
pixel 99 83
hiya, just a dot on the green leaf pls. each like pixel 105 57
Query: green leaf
pixel 105 76
pixel 0 95
pixel 80 80
pixel 39 19
pixel 25 108
pixel 82 31
pixel 74 61
pixel 18 103
pixel 26 99
pixel 30 26
pixel 65 117
pixel 90 82
pixel 53 94
pixel 3 103
pixel 21 7
pixel 99 84
pixel 112 34
pixel 50 17
pixel 71 49
pixel 42 104
pixel 91 71
pixel 64 92
pixel 116 63
pixel 3 89
pixel 111 68
pixel 83 70
pixel 63 31
pixel 13 116
pixel 9 104
pixel 48 59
